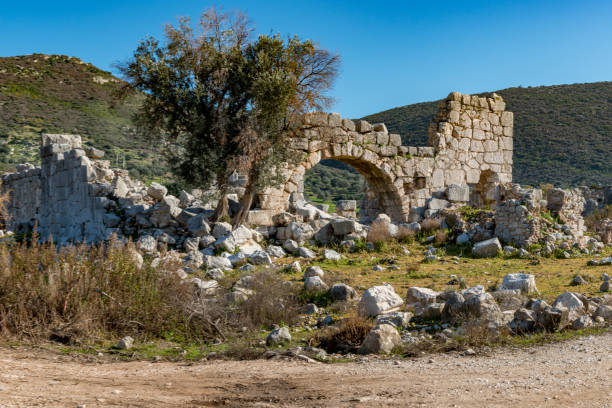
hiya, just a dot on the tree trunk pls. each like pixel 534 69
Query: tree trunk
pixel 222 210
pixel 245 205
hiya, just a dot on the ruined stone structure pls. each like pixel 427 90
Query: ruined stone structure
pixel 470 144
pixel 59 196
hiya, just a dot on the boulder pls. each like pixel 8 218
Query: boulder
pixel 342 292
pixel 487 249
pixel 379 300
pixel 331 255
pixel 278 337
pixel 420 297
pixel 147 244
pixel 453 306
pixel 217 262
pixel 198 226
pixel 483 307
pixel 314 271
pixel 315 284
pixel 306 253
pixel 125 343
pixel 299 231
pixel 275 251
pixel 524 321
pixel 582 322
pixel 463 238
pixel 343 226
pixel 605 312
pixel 573 303
pixel 220 229
pixel 437 204
pixel 473 291
pixel 157 191
pixel 380 339
pixel 291 246
pixel 519 281
pixel 193 260
pixel 260 258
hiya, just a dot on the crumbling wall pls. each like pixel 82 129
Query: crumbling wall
pixel 58 197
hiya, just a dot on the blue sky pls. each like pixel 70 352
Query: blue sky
pixel 394 52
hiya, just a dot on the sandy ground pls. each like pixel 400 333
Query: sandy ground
pixel 577 373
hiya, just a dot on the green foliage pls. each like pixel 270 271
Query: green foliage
pixel 331 180
pixel 561 133
pixel 469 213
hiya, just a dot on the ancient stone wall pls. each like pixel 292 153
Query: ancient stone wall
pixel 470 144
pixel 57 197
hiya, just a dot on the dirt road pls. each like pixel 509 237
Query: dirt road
pixel 576 373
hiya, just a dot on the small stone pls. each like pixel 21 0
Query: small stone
pixel 278 337
pixel 125 343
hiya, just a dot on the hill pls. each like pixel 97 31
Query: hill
pixel 60 94
pixel 562 134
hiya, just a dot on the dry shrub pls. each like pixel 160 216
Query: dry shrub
pixel 274 301
pixel 87 291
pixel 430 225
pixel 441 237
pixel 405 234
pixel 379 232
pixel 347 337
pixel 592 220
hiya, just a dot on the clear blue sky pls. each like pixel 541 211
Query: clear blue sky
pixel 394 52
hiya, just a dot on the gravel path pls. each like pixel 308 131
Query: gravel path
pixel 576 373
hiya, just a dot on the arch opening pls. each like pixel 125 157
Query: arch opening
pixel 373 190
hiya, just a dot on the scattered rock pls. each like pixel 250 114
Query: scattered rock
pixel 342 292
pixel 487 249
pixel 521 281
pixel 125 343
pixel 331 255
pixel 379 300
pixel 380 339
pixel 278 337
pixel 315 284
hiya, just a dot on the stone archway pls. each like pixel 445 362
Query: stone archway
pixel 470 139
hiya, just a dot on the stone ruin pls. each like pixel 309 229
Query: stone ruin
pixel 75 196
pixel 469 154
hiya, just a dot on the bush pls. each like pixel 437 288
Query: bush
pixel 441 237
pixel 405 234
pixel 346 338
pixel 593 219
pixel 430 225
pixel 379 232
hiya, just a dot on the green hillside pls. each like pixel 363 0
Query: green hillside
pixel 562 134
pixel 56 93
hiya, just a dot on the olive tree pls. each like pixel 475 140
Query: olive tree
pixel 219 101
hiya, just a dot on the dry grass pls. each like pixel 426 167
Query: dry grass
pixel 430 225
pixel 441 237
pixel 346 337
pixel 405 235
pixel 79 292
pixel 592 220
pixel 379 232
